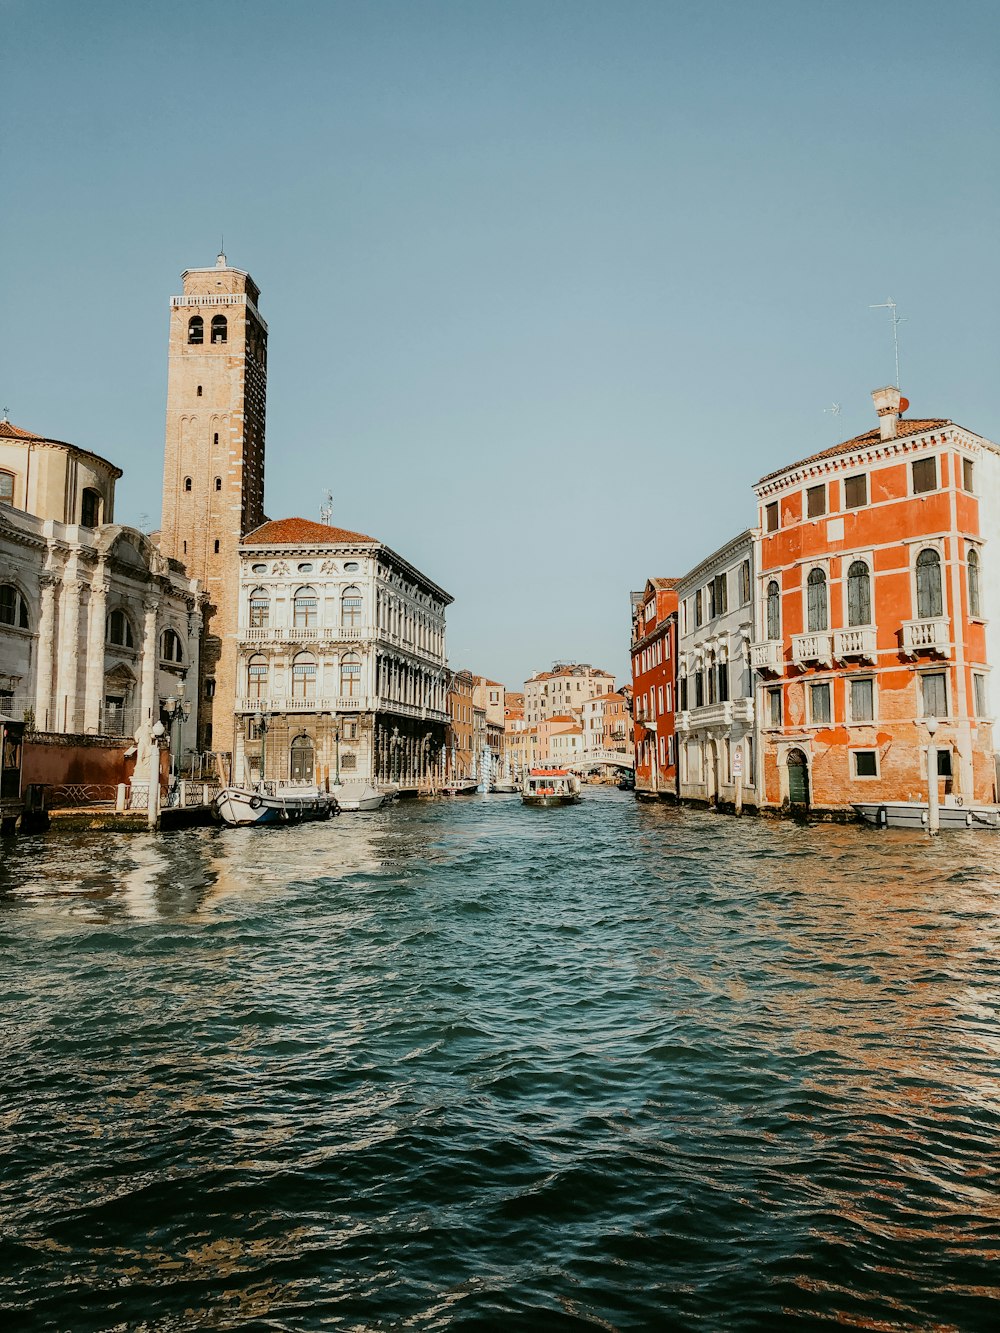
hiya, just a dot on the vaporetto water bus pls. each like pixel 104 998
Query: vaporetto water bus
pixel 550 786
pixel 953 815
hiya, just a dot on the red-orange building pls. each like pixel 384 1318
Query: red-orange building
pixel 869 618
pixel 654 652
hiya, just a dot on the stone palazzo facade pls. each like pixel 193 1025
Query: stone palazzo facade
pixel 97 628
pixel 341 657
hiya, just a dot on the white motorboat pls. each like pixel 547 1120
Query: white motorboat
pixel 459 787
pixel 503 787
pixel 270 803
pixel 952 814
pixel 550 786
pixel 359 796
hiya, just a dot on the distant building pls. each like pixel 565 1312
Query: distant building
pixel 654 651
pixel 489 695
pixel 460 756
pixel 342 652
pixel 607 725
pixel 564 689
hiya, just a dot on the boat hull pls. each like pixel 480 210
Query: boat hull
pixel 563 798
pixel 355 796
pixel 913 815
pixel 242 807
pixel 506 788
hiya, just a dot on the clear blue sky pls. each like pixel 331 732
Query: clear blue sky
pixel 534 271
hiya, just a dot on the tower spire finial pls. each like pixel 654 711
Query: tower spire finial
pixel 220 258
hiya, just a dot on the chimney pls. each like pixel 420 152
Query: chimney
pixel 887 405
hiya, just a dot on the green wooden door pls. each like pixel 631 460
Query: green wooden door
pixel 798 778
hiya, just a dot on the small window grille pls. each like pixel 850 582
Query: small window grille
pixel 199 390
pixel 218 483
pixel 187 483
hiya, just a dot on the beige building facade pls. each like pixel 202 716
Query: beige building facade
pixel 97 628
pixel 213 467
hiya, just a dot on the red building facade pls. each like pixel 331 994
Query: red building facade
pixel 654 656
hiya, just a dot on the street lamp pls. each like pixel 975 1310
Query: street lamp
pixel 933 811
pixel 262 721
pixel 177 709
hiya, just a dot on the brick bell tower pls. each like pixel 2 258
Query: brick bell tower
pixel 213 466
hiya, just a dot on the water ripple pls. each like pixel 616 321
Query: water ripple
pixel 455 1066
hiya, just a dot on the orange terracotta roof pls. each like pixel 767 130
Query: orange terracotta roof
pixel 16 433
pixel 903 428
pixel 668 584
pixel 301 532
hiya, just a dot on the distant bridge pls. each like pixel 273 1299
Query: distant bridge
pixel 590 759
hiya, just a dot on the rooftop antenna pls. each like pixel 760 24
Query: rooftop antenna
pixel 890 305
pixel 6 417
pixel 834 408
pixel 326 509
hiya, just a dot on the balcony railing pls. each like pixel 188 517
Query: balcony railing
pixel 358 703
pixel 926 636
pixel 860 643
pixel 722 714
pixel 301 634
pixel 767 656
pixel 808 649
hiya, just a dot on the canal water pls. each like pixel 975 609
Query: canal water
pixel 462 1065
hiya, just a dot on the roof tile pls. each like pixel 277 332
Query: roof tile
pixel 301 532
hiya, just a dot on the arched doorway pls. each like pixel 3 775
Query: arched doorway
pixel 798 778
pixel 302 757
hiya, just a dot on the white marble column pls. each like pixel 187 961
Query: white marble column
pixel 96 634
pixel 150 664
pixel 45 719
pixel 71 600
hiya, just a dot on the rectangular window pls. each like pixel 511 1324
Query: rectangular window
pixel 699 690
pixel 697 608
pixel 865 764
pixel 944 763
pixel 771 517
pixel 979 693
pixel 682 693
pixel 7 487
pixel 819 702
pixel 774 707
pixel 856 491
pixel 934 694
pixel 924 475
pixel 816 501
pixel 259 608
pixel 723 682
pixel 967 475
pixel 720 594
pixel 661 698
pixel 745 583
pixel 863 700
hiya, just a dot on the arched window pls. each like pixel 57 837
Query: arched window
pixel 350 606
pixel 120 630
pixel 171 647
pixel 260 609
pixel 773 610
pixel 220 329
pixel 859 594
pixel 90 507
pixel 304 676
pixel 257 678
pixel 305 609
pixel 187 483
pixel 816 608
pixel 218 483
pixel 929 602
pixel 196 329
pixel 974 609
pixel 13 610
pixel 301 757
pixel 350 675
pixel 7 487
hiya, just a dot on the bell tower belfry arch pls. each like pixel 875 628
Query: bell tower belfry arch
pixel 213 466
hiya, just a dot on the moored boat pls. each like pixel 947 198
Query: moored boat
pixel 503 787
pixel 550 786
pixel 267 804
pixel 952 816
pixel 359 796
pixel 459 787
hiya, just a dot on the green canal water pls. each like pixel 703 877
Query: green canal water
pixel 462 1065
